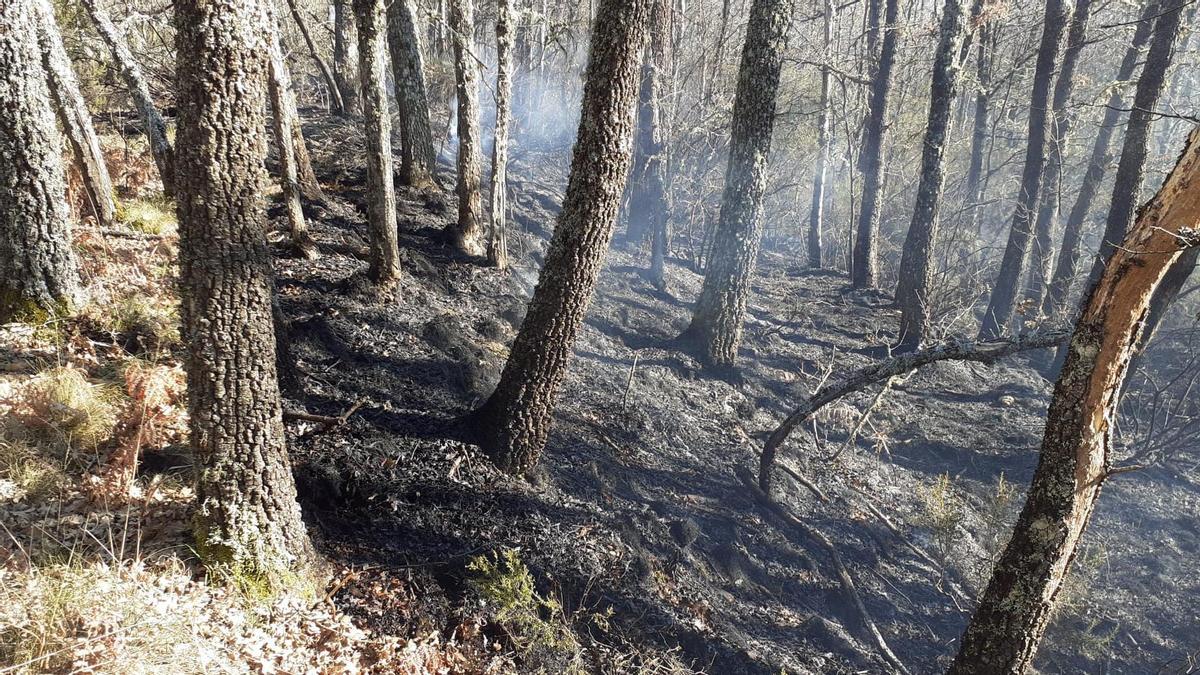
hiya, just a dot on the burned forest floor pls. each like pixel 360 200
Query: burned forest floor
pixel 635 546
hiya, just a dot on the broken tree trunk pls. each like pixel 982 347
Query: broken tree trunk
pixel 139 91
pixel 1005 631
pixel 984 352
pixel 75 118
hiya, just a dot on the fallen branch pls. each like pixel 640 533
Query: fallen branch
pixel 327 422
pixel 780 512
pixel 983 352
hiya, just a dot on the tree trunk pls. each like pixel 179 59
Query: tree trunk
pixel 417 156
pixel 377 120
pixel 1060 126
pixel 345 56
pixel 647 209
pixel 38 272
pixel 514 423
pixel 497 250
pixel 75 118
pixel 336 105
pixel 1131 170
pixel 310 187
pixel 468 232
pixel 980 126
pixel 816 216
pixel 865 272
pixel 283 126
pixel 1008 625
pixel 247 523
pixel 1003 303
pixel 716 327
pixel 139 91
pixel 916 261
pixel 1068 258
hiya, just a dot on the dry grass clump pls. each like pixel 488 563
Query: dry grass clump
pixel 147 215
pixel 64 405
pixel 27 474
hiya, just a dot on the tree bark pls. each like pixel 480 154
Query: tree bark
pixel 1055 304
pixel 514 423
pixel 468 232
pixel 916 261
pixel 497 250
pixel 1060 126
pixel 1003 302
pixel 139 91
pixel 1131 170
pixel 38 272
pixel 336 105
pixel 980 126
pixel 75 118
pixel 716 327
pixel 345 56
pixel 1008 625
pixel 283 125
pixel 248 523
pixel 417 156
pixel 816 214
pixel 377 120
pixel 865 268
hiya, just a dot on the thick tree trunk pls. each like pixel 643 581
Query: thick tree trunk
pixel 1042 256
pixel 283 125
pixel 816 214
pixel 865 268
pixel 468 232
pixel 345 56
pixel 716 327
pixel 514 423
pixel 75 118
pixel 1008 625
pixel 916 261
pixel 247 523
pixel 497 250
pixel 1131 170
pixel 1068 258
pixel 336 105
pixel 377 120
pixel 139 91
pixel 417 156
pixel 38 272
pixel 1003 303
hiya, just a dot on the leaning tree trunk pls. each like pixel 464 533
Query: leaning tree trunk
pixel 1060 127
pixel 247 522
pixel 1008 625
pixel 38 272
pixel 336 105
pixel 381 192
pixel 139 91
pixel 716 327
pixel 865 267
pixel 417 156
pixel 1055 304
pixel 816 215
pixel 1131 170
pixel 74 116
pixel 981 127
pixel 468 232
pixel 916 261
pixel 514 423
pixel 1003 302
pixel 283 126
pixel 497 250
pixel 345 56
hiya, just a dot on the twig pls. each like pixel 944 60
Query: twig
pixel 780 512
pixel 629 382
pixel 327 423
